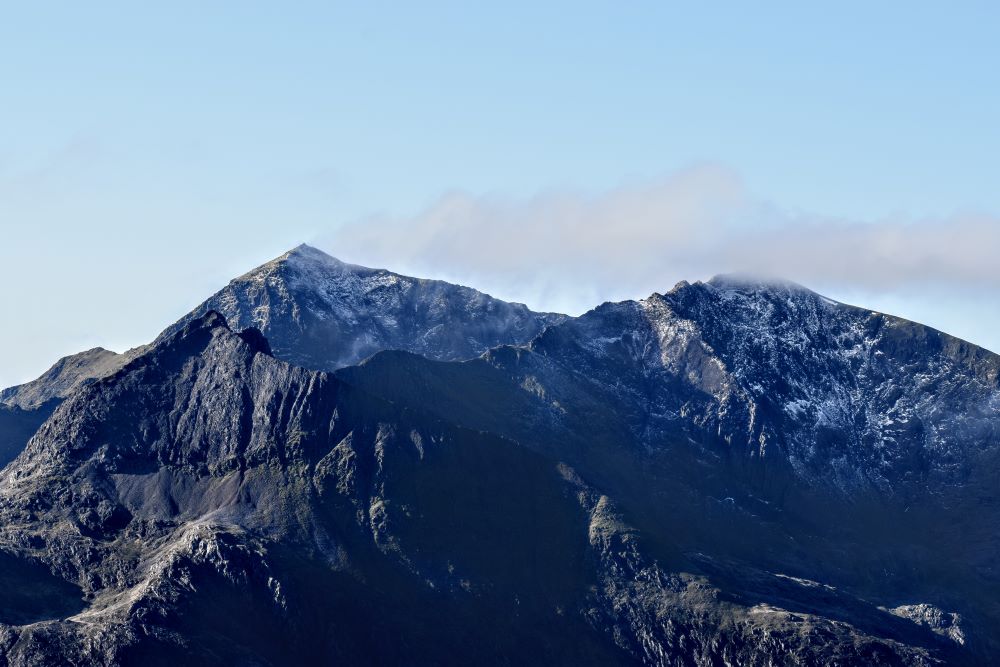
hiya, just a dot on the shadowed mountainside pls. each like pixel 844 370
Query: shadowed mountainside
pixel 209 500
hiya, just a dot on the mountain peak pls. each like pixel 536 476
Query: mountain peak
pixel 308 253
pixel 317 266
pixel 743 282
pixel 194 333
pixel 322 313
pixel 755 286
pixel 212 320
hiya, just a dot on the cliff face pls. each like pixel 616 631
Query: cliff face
pixel 211 502
pixel 785 387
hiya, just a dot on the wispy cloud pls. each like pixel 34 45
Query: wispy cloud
pixel 569 250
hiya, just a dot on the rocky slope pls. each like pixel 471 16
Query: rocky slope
pixel 63 377
pixel 323 314
pixel 210 503
pixel 767 425
pixel 729 473
pixel 25 407
pixel 784 383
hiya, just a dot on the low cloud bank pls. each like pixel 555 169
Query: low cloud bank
pixel 568 250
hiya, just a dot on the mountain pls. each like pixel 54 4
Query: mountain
pixel 323 314
pixel 789 385
pixel 63 377
pixel 25 407
pixel 318 312
pixel 754 430
pixel 734 472
pixel 212 504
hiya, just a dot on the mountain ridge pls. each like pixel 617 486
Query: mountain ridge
pixel 327 314
pixel 62 378
pixel 729 472
pixel 213 459
pixel 322 313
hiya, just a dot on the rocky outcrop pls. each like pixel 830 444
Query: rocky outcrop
pixel 769 425
pixel 943 623
pixel 25 407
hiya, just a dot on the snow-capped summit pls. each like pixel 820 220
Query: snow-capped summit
pixel 322 313
pixel 740 281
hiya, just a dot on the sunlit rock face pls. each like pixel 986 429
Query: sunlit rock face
pixel 324 314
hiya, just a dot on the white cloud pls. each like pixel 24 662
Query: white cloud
pixel 568 250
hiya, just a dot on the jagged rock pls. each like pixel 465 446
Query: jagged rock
pixel 941 622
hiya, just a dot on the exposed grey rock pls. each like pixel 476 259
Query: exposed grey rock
pixel 23 408
pixel 323 314
pixel 794 435
pixel 212 502
pixel 942 622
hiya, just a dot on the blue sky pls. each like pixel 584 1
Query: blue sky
pixel 149 154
